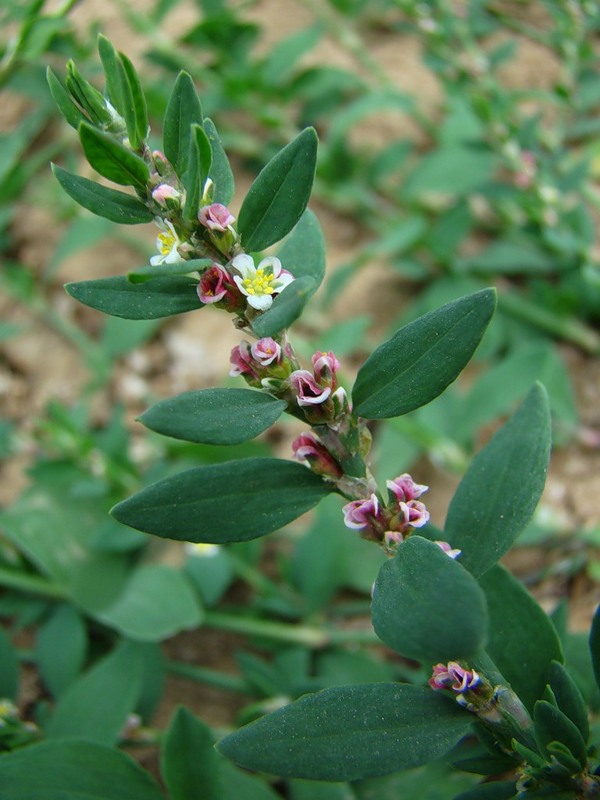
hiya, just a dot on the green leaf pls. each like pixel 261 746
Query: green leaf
pixel 500 491
pixel 156 603
pixel 426 606
pixel 96 706
pixel 214 416
pixel 422 358
pixel 303 252
pixel 119 90
pixel 551 725
pixel 220 170
pixel 183 111
pixel 102 200
pixel 595 645
pixel 286 308
pixel 61 649
pixel 9 668
pixel 189 764
pixel 61 97
pixel 230 502
pixel 350 732
pixel 162 297
pixel 454 170
pixel 523 653
pixel 111 159
pixel 498 790
pixel 238 784
pixel 199 162
pixel 137 98
pixel 569 698
pixel 72 770
pixel 152 271
pixel 278 197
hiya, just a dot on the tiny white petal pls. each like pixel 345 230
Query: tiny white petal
pixel 244 265
pixel 260 301
pixel 273 263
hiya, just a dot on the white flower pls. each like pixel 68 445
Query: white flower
pixel 259 284
pixel 167 243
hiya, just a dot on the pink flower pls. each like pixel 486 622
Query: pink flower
pixel 241 361
pixel 325 367
pixel 453 553
pixel 216 217
pixel 212 286
pixel 308 392
pixel 405 489
pixel 266 351
pixel 361 513
pixel 306 447
pixel 415 513
pixel 163 193
pixel 453 676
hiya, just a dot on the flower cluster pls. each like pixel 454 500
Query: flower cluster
pixel 264 364
pixel 460 680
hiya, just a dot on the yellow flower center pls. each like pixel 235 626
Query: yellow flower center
pixel 261 283
pixel 167 242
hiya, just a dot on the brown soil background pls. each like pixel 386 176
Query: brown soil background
pixel 192 351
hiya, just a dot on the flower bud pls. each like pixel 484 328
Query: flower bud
pixel 266 351
pixel 306 447
pixel 325 367
pixel 216 217
pixel 166 196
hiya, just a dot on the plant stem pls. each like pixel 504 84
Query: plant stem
pixel 31 584
pixel 305 635
pixel 211 677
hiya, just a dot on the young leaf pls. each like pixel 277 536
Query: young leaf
pixel 444 615
pixel 66 106
pixel 230 502
pixel 286 307
pixel 101 200
pixel 220 170
pixel 278 197
pixel 501 489
pixel 157 602
pixel 422 358
pixel 83 710
pixel 214 416
pixel 61 649
pixel 351 732
pixel 189 763
pixel 551 725
pixel 111 159
pixel 523 652
pixel 199 162
pixel 162 297
pixel 137 98
pixel 183 111
pixel 72 770
pixel 568 697
pixel 111 66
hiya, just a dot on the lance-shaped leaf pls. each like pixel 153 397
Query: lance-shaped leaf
pixel 108 157
pixel 72 770
pixel 427 606
pixel 422 358
pixel 286 307
pixel 101 200
pixel 183 111
pixel 551 725
pixel 278 197
pixel 350 732
pixel 189 764
pixel 162 297
pixel 199 161
pixel 568 697
pixel 62 98
pixel 150 272
pixel 522 640
pixel 231 502
pixel 220 169
pixel 214 416
pixel 303 252
pixel 137 97
pixel 501 489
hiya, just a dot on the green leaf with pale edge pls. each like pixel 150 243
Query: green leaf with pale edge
pixel 350 732
pixel 183 111
pixel 278 197
pixel 595 645
pixel 73 770
pixel 230 502
pixel 501 489
pixel 440 617
pixel 157 602
pixel 111 159
pixel 422 358
pixel 102 200
pixel 214 416
pixel 286 307
pixel 96 706
pixel 154 299
pixel 189 763
pixel 522 639
pixel 220 169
